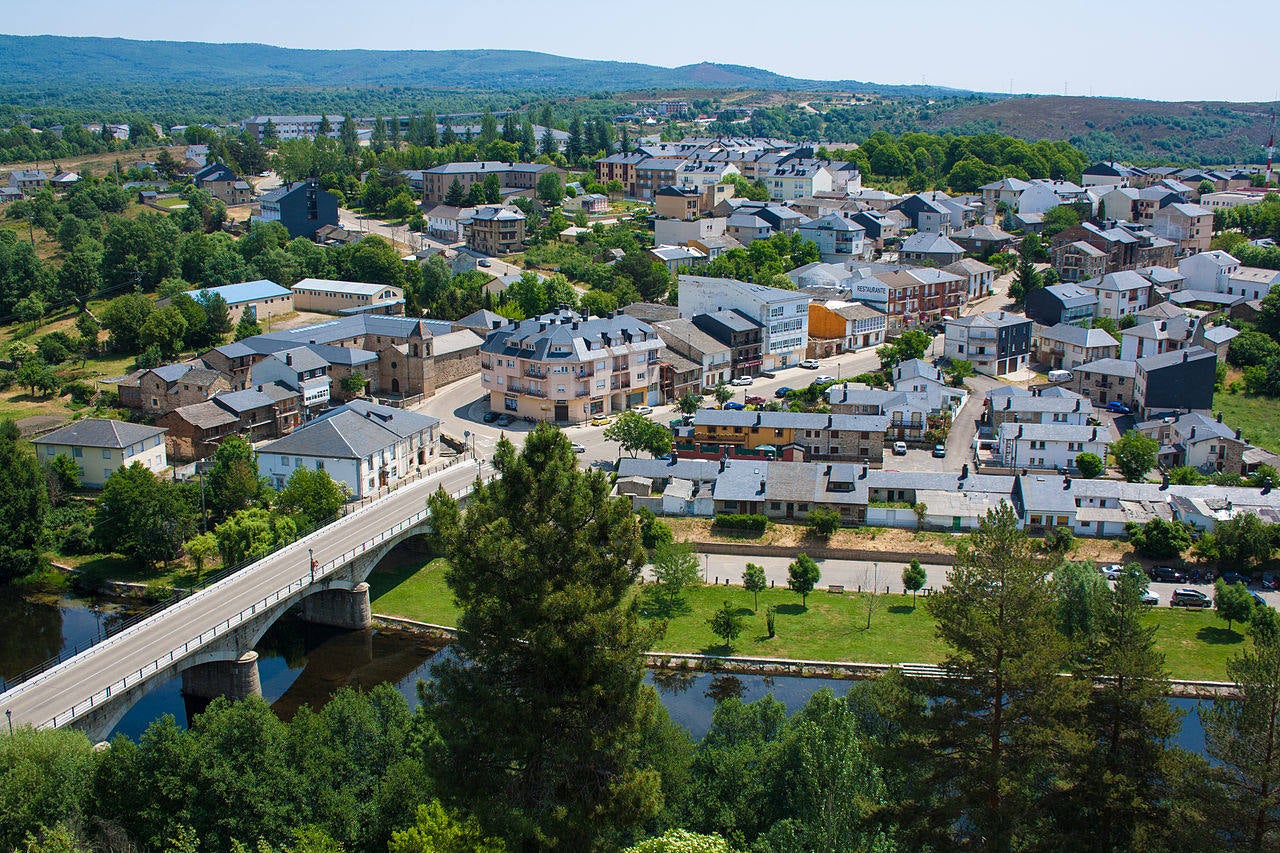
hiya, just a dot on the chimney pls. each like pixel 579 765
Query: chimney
pixel 1237 435
pixel 1164 480
pixel 762 486
pixel 1219 417
pixel 722 459
pixel 542 327
pixel 575 325
pixel 828 470
pixel 1008 402
pixel 288 359
pixel 497 324
pixel 1019 435
pixel 1185 355
pixel 864 473
pixel 830 420
pixel 1193 433
pixel 964 471
pixel 1066 482
pixel 759 418
pixel 1095 434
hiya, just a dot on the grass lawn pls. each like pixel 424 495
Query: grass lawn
pixel 100 567
pixel 1255 417
pixel 1196 644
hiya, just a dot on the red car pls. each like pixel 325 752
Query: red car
pixel 753 400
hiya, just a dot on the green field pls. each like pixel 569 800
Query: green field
pixel 1255 417
pixel 833 627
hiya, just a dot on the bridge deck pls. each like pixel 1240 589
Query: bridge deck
pixel 70 684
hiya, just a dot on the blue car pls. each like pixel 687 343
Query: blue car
pixel 737 407
pixel 1118 408
pixel 782 392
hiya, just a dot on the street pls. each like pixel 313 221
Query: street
pixel 856 574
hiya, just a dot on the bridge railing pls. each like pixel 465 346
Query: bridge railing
pixel 202 583
pixel 264 603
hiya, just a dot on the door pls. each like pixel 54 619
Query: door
pixel 562 411
pixel 791 510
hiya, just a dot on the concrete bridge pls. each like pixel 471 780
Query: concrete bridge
pixel 209 638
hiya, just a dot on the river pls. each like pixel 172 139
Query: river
pixel 303 664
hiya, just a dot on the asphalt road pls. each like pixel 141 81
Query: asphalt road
pixel 73 681
pixel 461 406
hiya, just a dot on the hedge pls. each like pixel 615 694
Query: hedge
pixel 736 521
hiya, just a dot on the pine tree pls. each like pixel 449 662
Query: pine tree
pixel 1114 791
pixel 379 137
pixel 537 717
pixel 488 128
pixel 1242 733
pixel 270 134
pixel 549 145
pixel 573 148
pixel 430 132
pixel 994 734
pixel 510 128
pixel 347 135
pixel 456 196
pixel 393 132
pixel 325 127
pixel 528 142
pixel 624 142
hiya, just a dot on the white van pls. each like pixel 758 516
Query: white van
pixel 1056 376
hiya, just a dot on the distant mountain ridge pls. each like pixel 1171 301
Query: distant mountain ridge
pixel 52 62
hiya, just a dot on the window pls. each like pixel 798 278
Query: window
pixel 48 451
pixel 106 453
pixel 77 452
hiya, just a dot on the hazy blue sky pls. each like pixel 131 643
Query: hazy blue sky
pixel 1173 50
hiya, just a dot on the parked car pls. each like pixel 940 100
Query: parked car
pixel 939 451
pixel 899 448
pixel 818 380
pixel 734 406
pixel 782 392
pixel 578 448
pixel 753 400
pixel 1118 408
pixel 1059 376
pixel 1167 574
pixel 1232 578
pixel 742 380
pixel 490 417
pixel 484 262
pixel 1111 572
pixel 505 420
pixel 1259 600
pixel 600 420
pixel 809 364
pixel 643 410
pixel 1185 596
pixel 1149 597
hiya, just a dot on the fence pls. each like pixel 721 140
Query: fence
pixel 39 673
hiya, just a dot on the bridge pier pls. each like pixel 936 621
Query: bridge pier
pixel 235 679
pixel 339 608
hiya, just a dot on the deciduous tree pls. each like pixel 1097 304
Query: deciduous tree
pixel 1135 455
pixel 754 582
pixel 803 575
pixel 635 433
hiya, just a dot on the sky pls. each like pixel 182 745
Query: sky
pixel 1122 49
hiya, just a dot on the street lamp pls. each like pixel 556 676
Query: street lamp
pixel 706 568
pixel 8 715
pixel 312 558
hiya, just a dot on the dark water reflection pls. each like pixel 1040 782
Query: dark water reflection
pixel 303 664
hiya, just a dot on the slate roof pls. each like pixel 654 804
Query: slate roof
pixel 789 420
pixel 931 244
pixel 1072 295
pixel 558 328
pixel 1111 367
pixel 100 432
pixel 206 415
pixel 352 431
pixel 1079 336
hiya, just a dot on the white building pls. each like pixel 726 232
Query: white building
pixel 362 445
pixel 1119 293
pixel 784 314
pixel 837 238
pixel 1049 446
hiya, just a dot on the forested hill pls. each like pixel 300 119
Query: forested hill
pixel 49 64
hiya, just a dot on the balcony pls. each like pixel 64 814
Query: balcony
pixel 535 372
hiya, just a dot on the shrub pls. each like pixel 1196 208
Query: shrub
pixel 823 521
pixel 81 392
pixel 739 521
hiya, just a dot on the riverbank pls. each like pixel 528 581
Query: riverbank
pixel 832 627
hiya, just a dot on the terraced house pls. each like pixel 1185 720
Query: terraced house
pixel 569 368
pixel 791 435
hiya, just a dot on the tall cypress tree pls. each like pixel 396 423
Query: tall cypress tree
pixel 528 142
pixel 538 715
